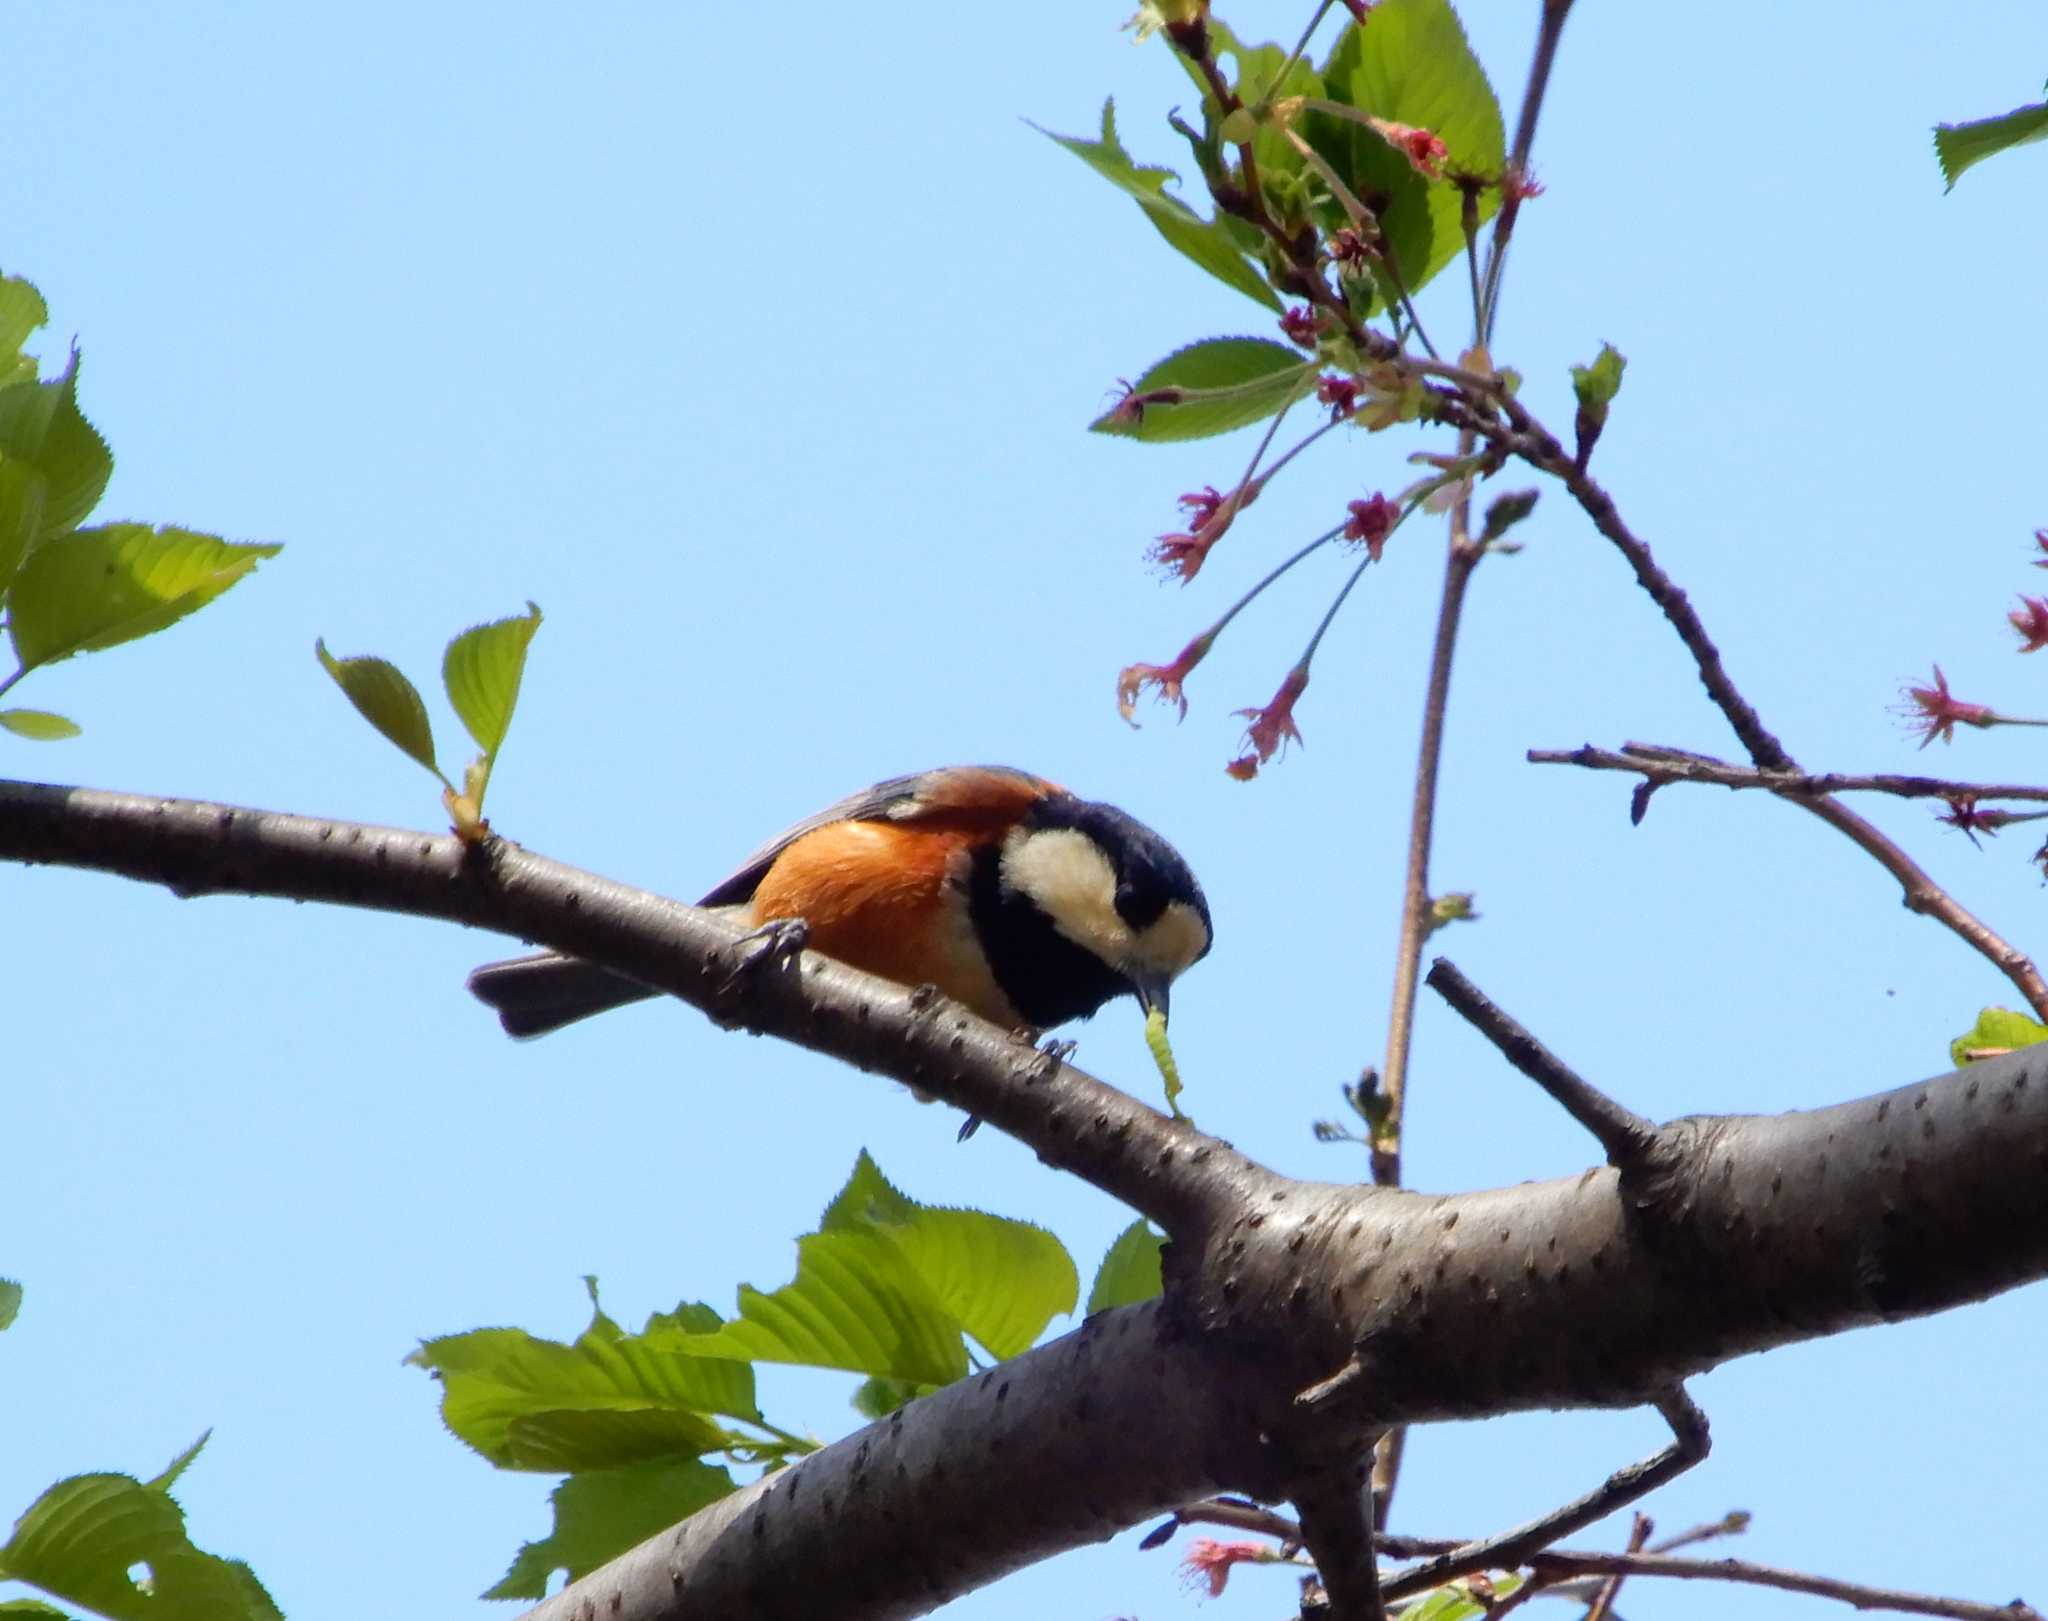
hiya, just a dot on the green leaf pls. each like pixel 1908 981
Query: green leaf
pixel 856 1304
pixel 22 311
pixel 1957 146
pixel 1413 65
pixel 1220 384
pixel 386 699
pixel 42 427
pixel 1257 67
pixel 23 492
pixel 608 1400
pixel 1001 1280
pixel 168 1477
pixel 1597 384
pixel 1997 1031
pixel 1208 242
pixel 33 1606
pixel 1456 1601
pixel 481 671
pixel 878 1398
pixel 10 1303
pixel 887 1287
pixel 1130 1271
pixel 81 1539
pixel 99 587
pixel 602 1513
pixel 38 724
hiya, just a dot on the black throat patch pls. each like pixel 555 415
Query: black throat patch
pixel 1047 978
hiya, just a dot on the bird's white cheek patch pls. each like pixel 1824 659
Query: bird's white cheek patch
pixel 1071 881
pixel 1174 940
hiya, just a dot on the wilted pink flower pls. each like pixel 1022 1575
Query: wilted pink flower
pixel 1371 522
pixel 2030 619
pixel 1207 1561
pixel 1935 712
pixel 1167 678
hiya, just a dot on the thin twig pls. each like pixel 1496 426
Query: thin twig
pixel 1540 64
pixel 1507 1549
pixel 1920 892
pixel 1237 1514
pixel 1731 1524
pixel 1603 1605
pixel 1300 45
pixel 1680 765
pixel 1566 1563
pixel 1531 1587
pixel 1625 1135
pixel 1556 1564
pixel 1461 559
pixel 1923 895
pixel 1762 745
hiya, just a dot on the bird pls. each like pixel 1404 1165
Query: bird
pixel 1013 896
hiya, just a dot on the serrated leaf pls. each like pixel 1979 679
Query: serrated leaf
pixel 855 1304
pixel 1958 146
pixel 529 1403
pixel 1207 242
pixel 602 1513
pixel 38 724
pixel 1224 383
pixel 386 699
pixel 1130 1270
pixel 10 1302
pixel 22 311
pixel 1413 65
pixel 481 671
pixel 570 1440
pixel 168 1477
pixel 96 588
pixel 1998 1030
pixel 83 1536
pixel 42 427
pixel 1002 1280
pixel 22 493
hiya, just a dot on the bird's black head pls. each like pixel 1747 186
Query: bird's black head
pixel 1082 903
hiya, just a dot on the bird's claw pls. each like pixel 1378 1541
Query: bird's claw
pixel 775 942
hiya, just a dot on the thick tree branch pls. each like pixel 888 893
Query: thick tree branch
pixel 1064 1446
pixel 1512 1548
pixel 1300 1318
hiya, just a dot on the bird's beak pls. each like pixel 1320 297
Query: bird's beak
pixel 1151 991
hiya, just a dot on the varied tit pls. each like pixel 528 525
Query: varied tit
pixel 1008 893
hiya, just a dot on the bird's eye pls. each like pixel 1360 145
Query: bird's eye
pixel 1130 905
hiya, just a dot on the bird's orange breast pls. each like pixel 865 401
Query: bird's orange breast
pixel 890 899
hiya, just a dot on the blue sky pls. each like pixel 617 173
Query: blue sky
pixel 759 355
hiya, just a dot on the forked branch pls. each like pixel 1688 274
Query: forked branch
pixel 1657 766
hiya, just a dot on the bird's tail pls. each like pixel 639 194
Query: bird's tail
pixel 534 995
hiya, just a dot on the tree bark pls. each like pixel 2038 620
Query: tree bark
pixel 1300 1319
